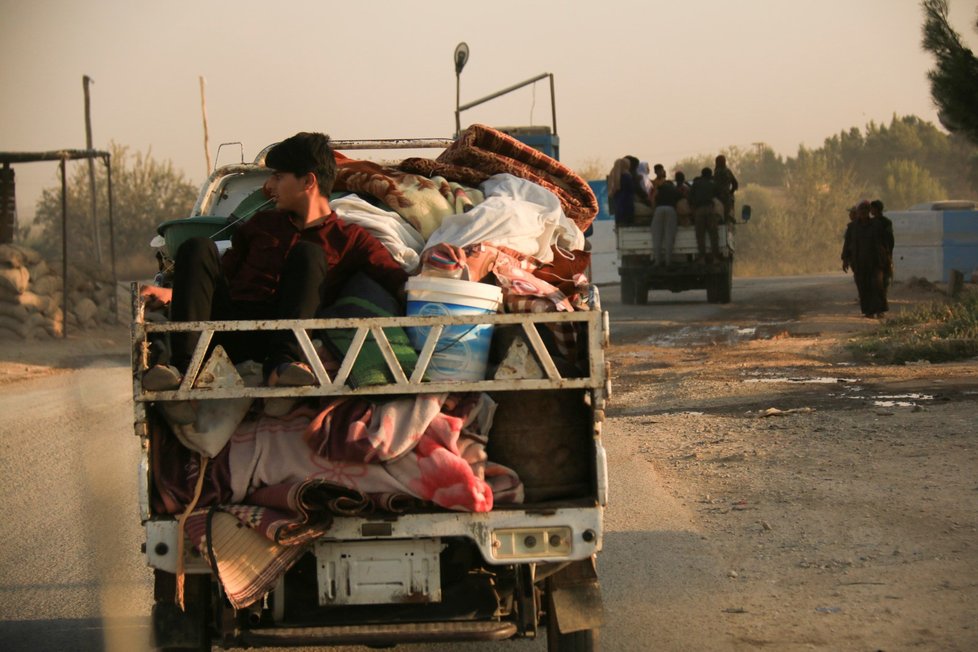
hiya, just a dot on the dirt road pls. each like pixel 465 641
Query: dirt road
pixel 843 519
pixel 837 503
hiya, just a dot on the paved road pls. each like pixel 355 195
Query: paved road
pixel 70 560
pixel 72 576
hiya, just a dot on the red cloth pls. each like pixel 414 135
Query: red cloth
pixel 259 248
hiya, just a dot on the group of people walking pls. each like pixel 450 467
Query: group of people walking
pixel 637 199
pixel 867 249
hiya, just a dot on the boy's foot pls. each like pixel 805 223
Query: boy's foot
pixel 290 374
pixel 161 378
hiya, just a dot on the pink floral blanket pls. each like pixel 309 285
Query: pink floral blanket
pixel 429 447
pixel 288 478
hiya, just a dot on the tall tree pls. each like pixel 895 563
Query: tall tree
pixel 954 82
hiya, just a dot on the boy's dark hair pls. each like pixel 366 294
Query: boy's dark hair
pixel 304 153
pixel 706 173
pixel 877 204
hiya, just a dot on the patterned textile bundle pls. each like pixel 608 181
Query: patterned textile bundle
pixel 481 151
pixel 423 202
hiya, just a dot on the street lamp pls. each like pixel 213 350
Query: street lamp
pixel 461 57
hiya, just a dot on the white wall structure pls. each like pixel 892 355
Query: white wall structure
pixel 933 239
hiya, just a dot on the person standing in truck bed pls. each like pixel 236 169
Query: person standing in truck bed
pixel 621 190
pixel 282 264
pixel 705 218
pixel 665 221
pixel 726 187
pixel 641 201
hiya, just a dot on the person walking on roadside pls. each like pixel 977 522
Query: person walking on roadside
pixel 867 258
pixel 885 225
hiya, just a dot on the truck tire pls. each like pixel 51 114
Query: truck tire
pixel 725 283
pixel 712 289
pixel 585 640
pixel 719 285
pixel 182 630
pixel 628 280
pixel 641 292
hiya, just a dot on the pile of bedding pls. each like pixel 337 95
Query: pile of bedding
pixel 489 209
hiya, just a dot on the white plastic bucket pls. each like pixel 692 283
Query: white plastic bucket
pixel 462 351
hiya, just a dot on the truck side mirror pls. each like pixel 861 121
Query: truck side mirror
pixel 745 213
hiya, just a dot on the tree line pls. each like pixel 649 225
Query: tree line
pixel 800 204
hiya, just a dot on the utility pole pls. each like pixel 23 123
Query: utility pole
pixel 8 205
pixel 86 81
pixel 203 111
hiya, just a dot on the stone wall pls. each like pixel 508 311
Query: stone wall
pixel 31 296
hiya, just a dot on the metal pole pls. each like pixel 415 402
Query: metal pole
pixel 503 92
pixel 553 103
pixel 86 81
pixel 8 205
pixel 203 111
pixel 458 119
pixel 64 250
pixel 115 279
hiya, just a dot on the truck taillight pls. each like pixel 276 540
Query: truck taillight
pixel 530 543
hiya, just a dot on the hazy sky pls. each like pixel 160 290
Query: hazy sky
pixel 660 80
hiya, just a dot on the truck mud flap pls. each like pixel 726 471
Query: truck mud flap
pixel 376 634
pixel 575 597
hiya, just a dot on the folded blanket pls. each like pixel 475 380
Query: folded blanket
pixel 516 213
pixel 420 200
pixel 400 238
pixel 364 297
pixel 481 151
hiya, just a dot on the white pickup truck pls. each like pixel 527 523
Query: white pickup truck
pixel 684 272
pixel 639 274
pixel 517 571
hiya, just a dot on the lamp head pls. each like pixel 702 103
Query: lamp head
pixel 461 57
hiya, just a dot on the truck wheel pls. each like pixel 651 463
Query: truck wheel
pixel 641 293
pixel 628 281
pixel 712 289
pixel 176 629
pixel 726 285
pixel 585 640
pixel 718 285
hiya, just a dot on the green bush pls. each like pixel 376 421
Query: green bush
pixel 939 331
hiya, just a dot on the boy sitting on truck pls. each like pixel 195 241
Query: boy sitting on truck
pixel 285 263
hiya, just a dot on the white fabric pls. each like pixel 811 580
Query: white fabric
pixel 516 213
pixel 645 176
pixel 400 238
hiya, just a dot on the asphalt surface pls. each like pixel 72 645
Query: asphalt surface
pixel 72 576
